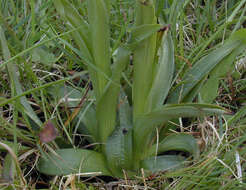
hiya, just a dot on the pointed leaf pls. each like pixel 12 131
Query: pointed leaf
pixel 179 142
pixel 119 150
pixel 107 104
pixel 70 161
pixel 140 33
pixel 210 89
pixel 164 75
pixel 147 122
pixel 143 58
pixel 162 163
pixel 100 39
pixel 203 67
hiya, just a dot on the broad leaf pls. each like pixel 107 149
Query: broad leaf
pixel 179 142
pixel 98 16
pixel 119 144
pixel 145 123
pixel 203 67
pixel 106 106
pixel 143 58
pixel 142 32
pixel 164 74
pixel 70 161
pixel 210 89
pixel 88 124
pixel 162 163
pixel 119 150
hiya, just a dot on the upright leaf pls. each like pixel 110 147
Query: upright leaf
pixel 143 58
pixel 204 67
pixel 98 15
pixel 107 104
pixel 210 89
pixel 164 74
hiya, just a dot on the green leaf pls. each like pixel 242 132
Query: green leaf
pixel 147 122
pixel 68 161
pixel 238 117
pixel 107 104
pixel 119 144
pixel 179 142
pixel 143 58
pixel 164 74
pixel 119 150
pixel 125 111
pixel 88 124
pixel 162 163
pixel 41 55
pixel 100 39
pixel 204 66
pixel 140 33
pixel 210 89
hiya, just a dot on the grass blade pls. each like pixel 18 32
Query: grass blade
pixel 17 89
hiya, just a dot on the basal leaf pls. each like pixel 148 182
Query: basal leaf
pixel 70 161
pixel 119 150
pixel 162 163
pixel 210 89
pixel 178 142
pixel 119 144
pixel 145 123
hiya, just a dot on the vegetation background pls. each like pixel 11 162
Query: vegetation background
pixel 38 56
